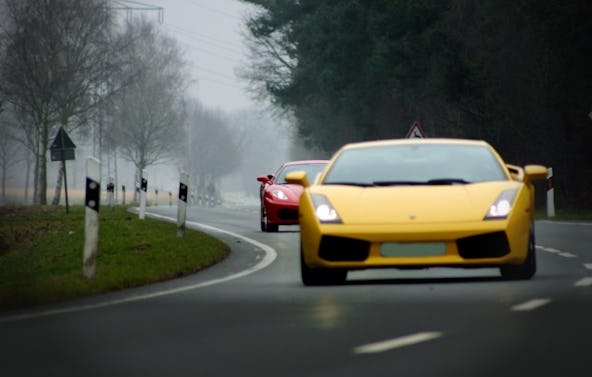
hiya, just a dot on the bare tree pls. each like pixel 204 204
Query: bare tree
pixel 212 148
pixel 272 59
pixel 147 125
pixel 54 57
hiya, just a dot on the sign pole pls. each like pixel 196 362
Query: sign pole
pixel 65 185
pixel 62 149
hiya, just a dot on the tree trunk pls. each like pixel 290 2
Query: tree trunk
pixel 4 172
pixel 28 173
pixel 58 189
pixel 41 178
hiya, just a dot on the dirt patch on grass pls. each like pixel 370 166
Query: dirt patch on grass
pixel 20 226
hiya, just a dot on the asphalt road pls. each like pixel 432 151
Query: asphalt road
pixel 250 316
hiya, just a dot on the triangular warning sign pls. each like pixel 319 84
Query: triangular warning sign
pixel 415 132
pixel 62 140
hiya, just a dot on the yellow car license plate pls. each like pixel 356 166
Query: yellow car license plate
pixel 414 249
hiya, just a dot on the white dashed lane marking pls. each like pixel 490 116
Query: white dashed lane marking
pixel 552 250
pixel 568 255
pixel 403 341
pixel 548 249
pixel 585 282
pixel 531 304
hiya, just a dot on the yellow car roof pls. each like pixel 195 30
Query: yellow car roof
pixel 364 144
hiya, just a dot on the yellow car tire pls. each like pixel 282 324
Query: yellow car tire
pixel 525 270
pixel 321 276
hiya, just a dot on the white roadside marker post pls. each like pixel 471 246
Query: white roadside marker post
pixel 550 194
pixel 91 218
pixel 143 190
pixel 110 193
pixel 182 205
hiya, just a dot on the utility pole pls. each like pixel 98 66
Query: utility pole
pixel 130 6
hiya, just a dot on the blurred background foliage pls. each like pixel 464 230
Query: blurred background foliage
pixel 517 73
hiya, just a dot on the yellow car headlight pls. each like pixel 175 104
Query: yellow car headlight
pixel 501 207
pixel 324 210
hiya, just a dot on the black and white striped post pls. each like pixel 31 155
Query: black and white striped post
pixel 143 191
pixel 91 218
pixel 182 205
pixel 550 194
pixel 110 193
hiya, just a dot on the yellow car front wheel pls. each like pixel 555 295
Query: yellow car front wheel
pixel 525 270
pixel 321 276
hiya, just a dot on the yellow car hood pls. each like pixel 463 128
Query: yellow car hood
pixel 420 204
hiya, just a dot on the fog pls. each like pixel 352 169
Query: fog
pixel 209 33
pixel 266 142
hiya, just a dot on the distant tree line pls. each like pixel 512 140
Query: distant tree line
pixel 517 73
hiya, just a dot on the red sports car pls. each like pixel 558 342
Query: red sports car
pixel 279 199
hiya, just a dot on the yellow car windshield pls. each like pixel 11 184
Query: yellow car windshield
pixel 433 164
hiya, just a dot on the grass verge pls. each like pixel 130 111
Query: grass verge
pixel 41 251
pixel 565 215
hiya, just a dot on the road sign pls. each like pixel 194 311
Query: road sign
pixel 62 148
pixel 62 154
pixel 415 132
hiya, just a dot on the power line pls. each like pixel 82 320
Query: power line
pixel 203 38
pixel 194 3
pixel 231 85
pixel 210 52
pixel 215 73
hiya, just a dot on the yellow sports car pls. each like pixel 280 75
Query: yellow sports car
pixel 416 203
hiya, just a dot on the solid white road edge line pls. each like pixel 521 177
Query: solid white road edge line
pixel 270 255
pixel 408 340
pixel 583 223
pixel 531 304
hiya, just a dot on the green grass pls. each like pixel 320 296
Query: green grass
pixel 565 215
pixel 41 252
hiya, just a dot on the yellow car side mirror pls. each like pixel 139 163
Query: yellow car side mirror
pixel 298 178
pixel 535 172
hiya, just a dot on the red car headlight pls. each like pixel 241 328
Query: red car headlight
pixel 279 194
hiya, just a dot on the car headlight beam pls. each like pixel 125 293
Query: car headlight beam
pixel 324 210
pixel 501 207
pixel 279 194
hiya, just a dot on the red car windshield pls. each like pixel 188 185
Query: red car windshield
pixel 311 171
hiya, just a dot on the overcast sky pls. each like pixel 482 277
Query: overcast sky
pixel 209 32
